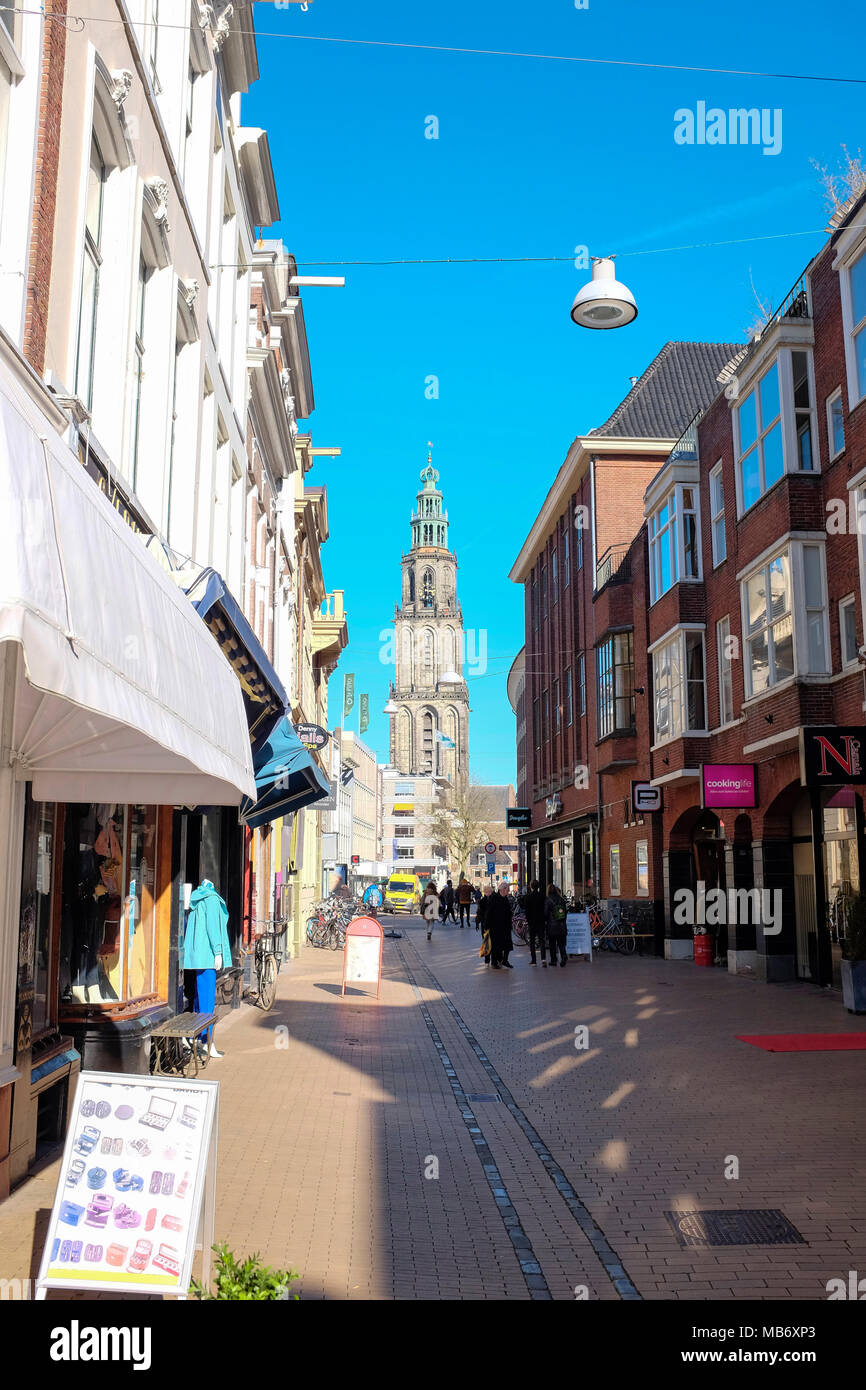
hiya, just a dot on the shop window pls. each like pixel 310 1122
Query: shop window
pixel 642 858
pixel 108 903
pixel 36 941
pixel 679 685
pixel 614 871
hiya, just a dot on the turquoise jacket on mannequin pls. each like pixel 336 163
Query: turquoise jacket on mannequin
pixel 206 930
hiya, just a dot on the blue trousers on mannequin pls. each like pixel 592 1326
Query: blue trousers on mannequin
pixel 204 994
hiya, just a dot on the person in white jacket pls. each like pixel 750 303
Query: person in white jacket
pixel 430 907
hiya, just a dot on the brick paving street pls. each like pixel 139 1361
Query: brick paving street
pixel 564 1182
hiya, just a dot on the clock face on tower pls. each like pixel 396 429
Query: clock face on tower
pixel 430 729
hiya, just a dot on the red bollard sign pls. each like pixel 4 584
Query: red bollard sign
pixel 362 954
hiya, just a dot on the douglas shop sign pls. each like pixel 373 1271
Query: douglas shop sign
pixel 832 756
pixel 728 785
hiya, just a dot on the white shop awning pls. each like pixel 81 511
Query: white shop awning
pixel 120 693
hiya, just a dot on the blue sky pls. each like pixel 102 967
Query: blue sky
pixel 533 158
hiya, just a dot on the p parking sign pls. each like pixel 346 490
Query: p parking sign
pixel 645 797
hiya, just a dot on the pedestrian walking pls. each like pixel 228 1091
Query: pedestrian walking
pixel 430 907
pixel 447 897
pixel 498 922
pixel 464 898
pixel 555 914
pixel 481 922
pixel 533 906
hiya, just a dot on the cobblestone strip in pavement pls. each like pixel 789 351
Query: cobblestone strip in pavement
pixel 529 1265
pixel 607 1256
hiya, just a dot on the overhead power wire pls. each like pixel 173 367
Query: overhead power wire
pixel 82 20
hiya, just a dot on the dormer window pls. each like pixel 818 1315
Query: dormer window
pixel 674 547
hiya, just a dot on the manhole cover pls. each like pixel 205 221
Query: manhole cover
pixel 497 1098
pixel 703 1228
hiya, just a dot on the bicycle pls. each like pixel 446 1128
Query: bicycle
pixel 520 926
pixel 268 954
pixel 614 934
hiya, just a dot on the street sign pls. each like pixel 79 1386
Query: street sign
pixel 832 756
pixel 312 736
pixel 518 817
pixel 129 1222
pixel 490 847
pixel 491 867
pixel 362 954
pixel 646 797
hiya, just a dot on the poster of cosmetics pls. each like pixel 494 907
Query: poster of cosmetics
pixel 126 1210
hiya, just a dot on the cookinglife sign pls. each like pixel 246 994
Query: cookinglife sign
pixel 312 736
pixel 728 785
pixel 832 756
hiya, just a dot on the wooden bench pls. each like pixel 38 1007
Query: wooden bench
pixel 175 1045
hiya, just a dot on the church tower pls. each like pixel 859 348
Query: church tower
pixel 430 727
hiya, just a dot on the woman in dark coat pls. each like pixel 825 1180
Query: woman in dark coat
pixel 498 922
pixel 533 906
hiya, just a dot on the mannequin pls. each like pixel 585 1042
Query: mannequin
pixel 206 949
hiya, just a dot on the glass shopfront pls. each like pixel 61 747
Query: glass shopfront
pixel 107 913
pixel 35 942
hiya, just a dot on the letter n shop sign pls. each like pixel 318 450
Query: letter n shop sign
pixel 832 756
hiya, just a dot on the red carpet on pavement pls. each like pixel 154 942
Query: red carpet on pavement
pixel 806 1042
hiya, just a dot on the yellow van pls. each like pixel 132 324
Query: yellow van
pixel 403 893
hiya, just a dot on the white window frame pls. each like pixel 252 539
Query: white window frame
pixel 833 453
pixel 566 558
pixel 782 360
pixel 852 257
pixel 717 514
pixel 581 684
pixel 850 662
pixel 613 859
pixel 569 698
pixel 794 549
pixel 672 536
pixel 641 845
pixel 678 726
pixel 725 672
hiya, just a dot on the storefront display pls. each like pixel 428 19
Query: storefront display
pixel 107 907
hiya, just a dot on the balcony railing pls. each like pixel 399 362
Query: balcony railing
pixel 686 448
pixel 614 567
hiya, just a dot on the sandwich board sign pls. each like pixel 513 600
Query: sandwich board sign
pixel 578 938
pixel 136 1190
pixel 362 954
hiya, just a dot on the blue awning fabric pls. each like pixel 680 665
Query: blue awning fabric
pixel 265 698
pixel 287 778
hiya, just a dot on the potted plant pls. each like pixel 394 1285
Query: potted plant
pixel 251 1281
pixel 854 958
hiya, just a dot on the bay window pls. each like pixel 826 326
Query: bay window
pixel 835 424
pixel 615 681
pixel 775 427
pixel 848 631
pixel 673 540
pixel 717 515
pixel 679 685
pixel 784 606
pixel 726 683
pixel 854 305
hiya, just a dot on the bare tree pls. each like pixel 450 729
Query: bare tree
pixel 461 822
pixel 765 312
pixel 842 185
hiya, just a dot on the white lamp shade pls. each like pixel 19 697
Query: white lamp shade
pixel 390 708
pixel 450 678
pixel 604 302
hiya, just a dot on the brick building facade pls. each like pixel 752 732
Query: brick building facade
pixel 719 617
